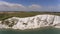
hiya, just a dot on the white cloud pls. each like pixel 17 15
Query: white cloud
pixel 6 6
pixel 35 7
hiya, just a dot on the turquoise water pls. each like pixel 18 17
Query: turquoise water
pixel 42 31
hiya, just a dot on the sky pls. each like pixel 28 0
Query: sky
pixel 30 5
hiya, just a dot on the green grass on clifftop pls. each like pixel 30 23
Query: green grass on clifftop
pixel 5 15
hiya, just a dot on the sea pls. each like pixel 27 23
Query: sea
pixel 35 31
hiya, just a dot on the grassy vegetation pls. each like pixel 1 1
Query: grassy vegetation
pixel 5 15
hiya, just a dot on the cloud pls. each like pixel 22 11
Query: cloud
pixel 35 7
pixel 6 6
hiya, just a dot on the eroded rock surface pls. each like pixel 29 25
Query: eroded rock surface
pixel 31 22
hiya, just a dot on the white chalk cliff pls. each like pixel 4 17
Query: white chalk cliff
pixel 31 22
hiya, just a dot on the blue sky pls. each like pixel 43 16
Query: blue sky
pixel 33 5
pixel 29 2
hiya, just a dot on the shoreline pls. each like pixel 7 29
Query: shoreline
pixel 28 30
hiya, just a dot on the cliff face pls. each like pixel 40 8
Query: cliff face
pixel 31 22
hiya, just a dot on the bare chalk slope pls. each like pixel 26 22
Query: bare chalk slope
pixel 31 22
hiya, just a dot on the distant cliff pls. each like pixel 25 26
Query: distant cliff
pixel 31 22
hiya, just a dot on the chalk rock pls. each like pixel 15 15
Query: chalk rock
pixel 32 22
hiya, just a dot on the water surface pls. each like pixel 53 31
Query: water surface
pixel 42 31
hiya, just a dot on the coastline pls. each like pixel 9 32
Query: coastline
pixel 28 30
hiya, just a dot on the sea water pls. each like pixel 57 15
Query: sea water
pixel 41 31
